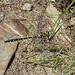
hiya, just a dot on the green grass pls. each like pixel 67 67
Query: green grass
pixel 68 60
pixel 59 60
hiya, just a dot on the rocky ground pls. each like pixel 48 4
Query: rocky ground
pixel 16 22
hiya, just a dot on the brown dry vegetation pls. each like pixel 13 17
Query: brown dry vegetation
pixel 44 58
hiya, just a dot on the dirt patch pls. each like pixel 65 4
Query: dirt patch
pixel 38 61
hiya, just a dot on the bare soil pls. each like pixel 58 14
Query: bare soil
pixel 22 62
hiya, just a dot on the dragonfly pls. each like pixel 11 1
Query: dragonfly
pixel 42 35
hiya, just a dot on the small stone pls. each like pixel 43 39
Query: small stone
pixel 27 6
pixel 72 21
pixel 1 16
pixel 53 0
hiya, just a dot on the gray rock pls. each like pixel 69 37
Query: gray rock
pixel 27 6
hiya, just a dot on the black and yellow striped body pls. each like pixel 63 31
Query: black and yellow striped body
pixel 12 40
pixel 42 35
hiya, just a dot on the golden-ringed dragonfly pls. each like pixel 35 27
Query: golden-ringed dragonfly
pixel 41 35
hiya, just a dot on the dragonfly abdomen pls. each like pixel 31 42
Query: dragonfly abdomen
pixel 11 40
